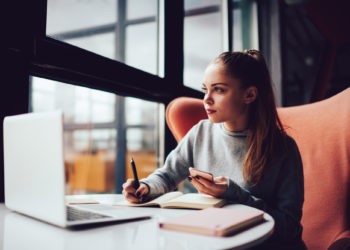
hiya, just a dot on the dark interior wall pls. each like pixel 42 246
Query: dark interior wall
pixel 316 50
pixel 332 20
pixel 16 97
pixel 14 88
pixel 340 78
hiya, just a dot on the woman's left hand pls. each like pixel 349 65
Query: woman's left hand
pixel 215 188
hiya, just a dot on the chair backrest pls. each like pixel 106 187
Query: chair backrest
pixel 322 133
pixel 182 114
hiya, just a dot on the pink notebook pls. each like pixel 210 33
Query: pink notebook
pixel 214 221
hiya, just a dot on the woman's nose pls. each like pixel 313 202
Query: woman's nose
pixel 208 99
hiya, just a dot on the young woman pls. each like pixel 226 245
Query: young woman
pixel 243 144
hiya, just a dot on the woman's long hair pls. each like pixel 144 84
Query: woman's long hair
pixel 266 132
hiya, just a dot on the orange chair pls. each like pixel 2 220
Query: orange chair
pixel 322 133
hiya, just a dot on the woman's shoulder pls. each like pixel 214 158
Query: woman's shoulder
pixel 204 124
pixel 287 146
pixel 283 145
pixel 203 127
pixel 290 142
pixel 286 156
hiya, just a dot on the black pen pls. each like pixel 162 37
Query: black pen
pixel 136 179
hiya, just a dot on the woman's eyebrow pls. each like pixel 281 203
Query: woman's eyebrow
pixel 219 83
pixel 214 84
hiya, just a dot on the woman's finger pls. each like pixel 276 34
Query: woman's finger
pixel 142 190
pixel 205 183
pixel 220 179
pixel 131 198
pixel 216 188
pixel 128 186
pixel 200 187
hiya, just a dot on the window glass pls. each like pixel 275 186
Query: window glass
pixel 141 9
pixel 100 44
pixel 95 29
pixel 195 4
pixel 74 15
pixel 245 25
pixel 237 29
pixel 141 40
pixel 143 123
pixel 202 43
pixel 136 54
pixel 91 119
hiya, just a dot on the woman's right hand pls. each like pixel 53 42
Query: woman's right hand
pixel 131 194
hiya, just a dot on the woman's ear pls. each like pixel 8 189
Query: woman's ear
pixel 251 94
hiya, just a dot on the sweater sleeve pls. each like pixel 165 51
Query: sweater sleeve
pixel 175 169
pixel 285 206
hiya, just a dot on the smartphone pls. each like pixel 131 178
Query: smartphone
pixel 206 175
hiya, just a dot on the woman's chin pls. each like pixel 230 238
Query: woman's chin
pixel 213 120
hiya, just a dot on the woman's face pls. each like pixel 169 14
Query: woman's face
pixel 224 100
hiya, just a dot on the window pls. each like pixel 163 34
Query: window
pixel 204 34
pixel 141 35
pixel 202 39
pixel 105 127
pixel 87 30
pixel 127 33
pixel 245 25
pixel 93 121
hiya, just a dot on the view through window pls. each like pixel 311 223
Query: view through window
pixel 92 123
pixel 104 130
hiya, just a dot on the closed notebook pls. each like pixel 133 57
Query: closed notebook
pixel 214 221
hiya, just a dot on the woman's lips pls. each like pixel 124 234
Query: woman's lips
pixel 210 111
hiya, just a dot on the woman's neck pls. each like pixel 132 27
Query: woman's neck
pixel 233 127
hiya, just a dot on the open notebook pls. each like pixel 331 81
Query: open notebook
pixel 177 199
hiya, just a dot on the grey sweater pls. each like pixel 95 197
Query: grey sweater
pixel 209 147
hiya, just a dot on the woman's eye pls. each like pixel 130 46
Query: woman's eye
pixel 219 90
pixel 204 89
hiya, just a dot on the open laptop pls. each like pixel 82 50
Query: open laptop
pixel 35 176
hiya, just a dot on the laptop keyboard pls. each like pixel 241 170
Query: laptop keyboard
pixel 74 214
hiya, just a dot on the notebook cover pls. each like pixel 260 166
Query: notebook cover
pixel 213 221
